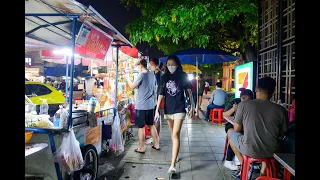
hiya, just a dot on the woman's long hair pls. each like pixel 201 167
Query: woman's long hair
pixel 178 63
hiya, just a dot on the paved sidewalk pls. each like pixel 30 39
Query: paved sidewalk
pixel 201 154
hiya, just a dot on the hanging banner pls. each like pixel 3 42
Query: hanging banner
pixel 92 42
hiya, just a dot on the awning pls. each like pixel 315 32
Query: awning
pixel 56 30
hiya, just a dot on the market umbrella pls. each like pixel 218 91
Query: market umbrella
pixel 204 56
pixel 133 52
pixel 187 68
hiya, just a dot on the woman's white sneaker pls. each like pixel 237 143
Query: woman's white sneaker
pixel 172 170
pixel 231 165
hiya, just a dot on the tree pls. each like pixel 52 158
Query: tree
pixel 211 69
pixel 228 25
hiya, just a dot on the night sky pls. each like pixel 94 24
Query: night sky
pixel 119 17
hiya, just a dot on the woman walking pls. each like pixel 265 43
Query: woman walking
pixel 173 85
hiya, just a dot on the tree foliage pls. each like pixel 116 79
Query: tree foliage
pixel 173 25
pixel 211 69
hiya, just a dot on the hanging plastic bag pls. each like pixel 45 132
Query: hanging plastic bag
pixel 44 107
pixel 61 118
pixel 116 143
pixel 69 154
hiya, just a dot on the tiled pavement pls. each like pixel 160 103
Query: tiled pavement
pixel 201 153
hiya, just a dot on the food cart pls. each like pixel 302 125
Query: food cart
pixel 89 136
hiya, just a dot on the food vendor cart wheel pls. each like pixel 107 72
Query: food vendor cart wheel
pixel 90 158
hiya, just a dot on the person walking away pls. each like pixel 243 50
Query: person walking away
pixel 206 87
pixel 201 84
pixel 194 89
pixel 145 84
pixel 155 67
pixel 173 85
pixel 217 100
pixel 230 110
pixel 264 122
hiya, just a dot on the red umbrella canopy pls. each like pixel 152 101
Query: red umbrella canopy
pixel 133 52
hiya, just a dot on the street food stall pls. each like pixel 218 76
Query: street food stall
pixel 46 23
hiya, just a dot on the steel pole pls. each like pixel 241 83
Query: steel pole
pixel 117 75
pixel 74 23
pixel 67 77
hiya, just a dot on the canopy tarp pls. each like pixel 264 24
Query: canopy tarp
pixel 204 56
pixel 56 29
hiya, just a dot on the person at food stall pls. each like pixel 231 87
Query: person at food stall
pixel 217 100
pixel 155 67
pixel 173 86
pixel 230 110
pixel 145 102
pixel 206 88
pixel 264 122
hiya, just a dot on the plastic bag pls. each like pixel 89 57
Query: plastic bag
pixel 69 154
pixel 62 115
pixel 116 143
pixel 44 107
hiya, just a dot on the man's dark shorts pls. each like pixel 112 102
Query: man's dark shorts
pixel 144 117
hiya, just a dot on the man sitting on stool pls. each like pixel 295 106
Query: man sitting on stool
pixel 218 99
pixel 263 122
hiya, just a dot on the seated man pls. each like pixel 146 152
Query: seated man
pixel 230 110
pixel 263 122
pixel 218 99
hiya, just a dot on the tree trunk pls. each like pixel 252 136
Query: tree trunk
pixel 250 54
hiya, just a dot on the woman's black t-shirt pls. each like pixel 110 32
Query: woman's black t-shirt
pixel 172 87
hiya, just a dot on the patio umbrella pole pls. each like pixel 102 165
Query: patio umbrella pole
pixel 197 100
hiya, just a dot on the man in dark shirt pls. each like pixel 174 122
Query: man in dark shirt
pixel 263 122
pixel 155 67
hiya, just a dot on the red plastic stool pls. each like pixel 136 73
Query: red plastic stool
pixel 147 132
pixel 271 169
pixel 225 147
pixel 216 115
pixel 286 174
pixel 266 178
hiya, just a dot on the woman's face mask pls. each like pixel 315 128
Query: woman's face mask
pixel 172 69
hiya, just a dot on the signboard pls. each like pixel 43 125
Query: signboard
pixel 244 77
pixel 92 42
pixel 93 136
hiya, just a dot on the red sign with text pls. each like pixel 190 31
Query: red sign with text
pixel 93 42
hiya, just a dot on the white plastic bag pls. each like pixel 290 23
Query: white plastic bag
pixel 69 154
pixel 62 115
pixel 116 143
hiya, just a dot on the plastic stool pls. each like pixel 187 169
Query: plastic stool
pixel 147 132
pixel 216 115
pixel 266 178
pixel 286 174
pixel 271 169
pixel 225 147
